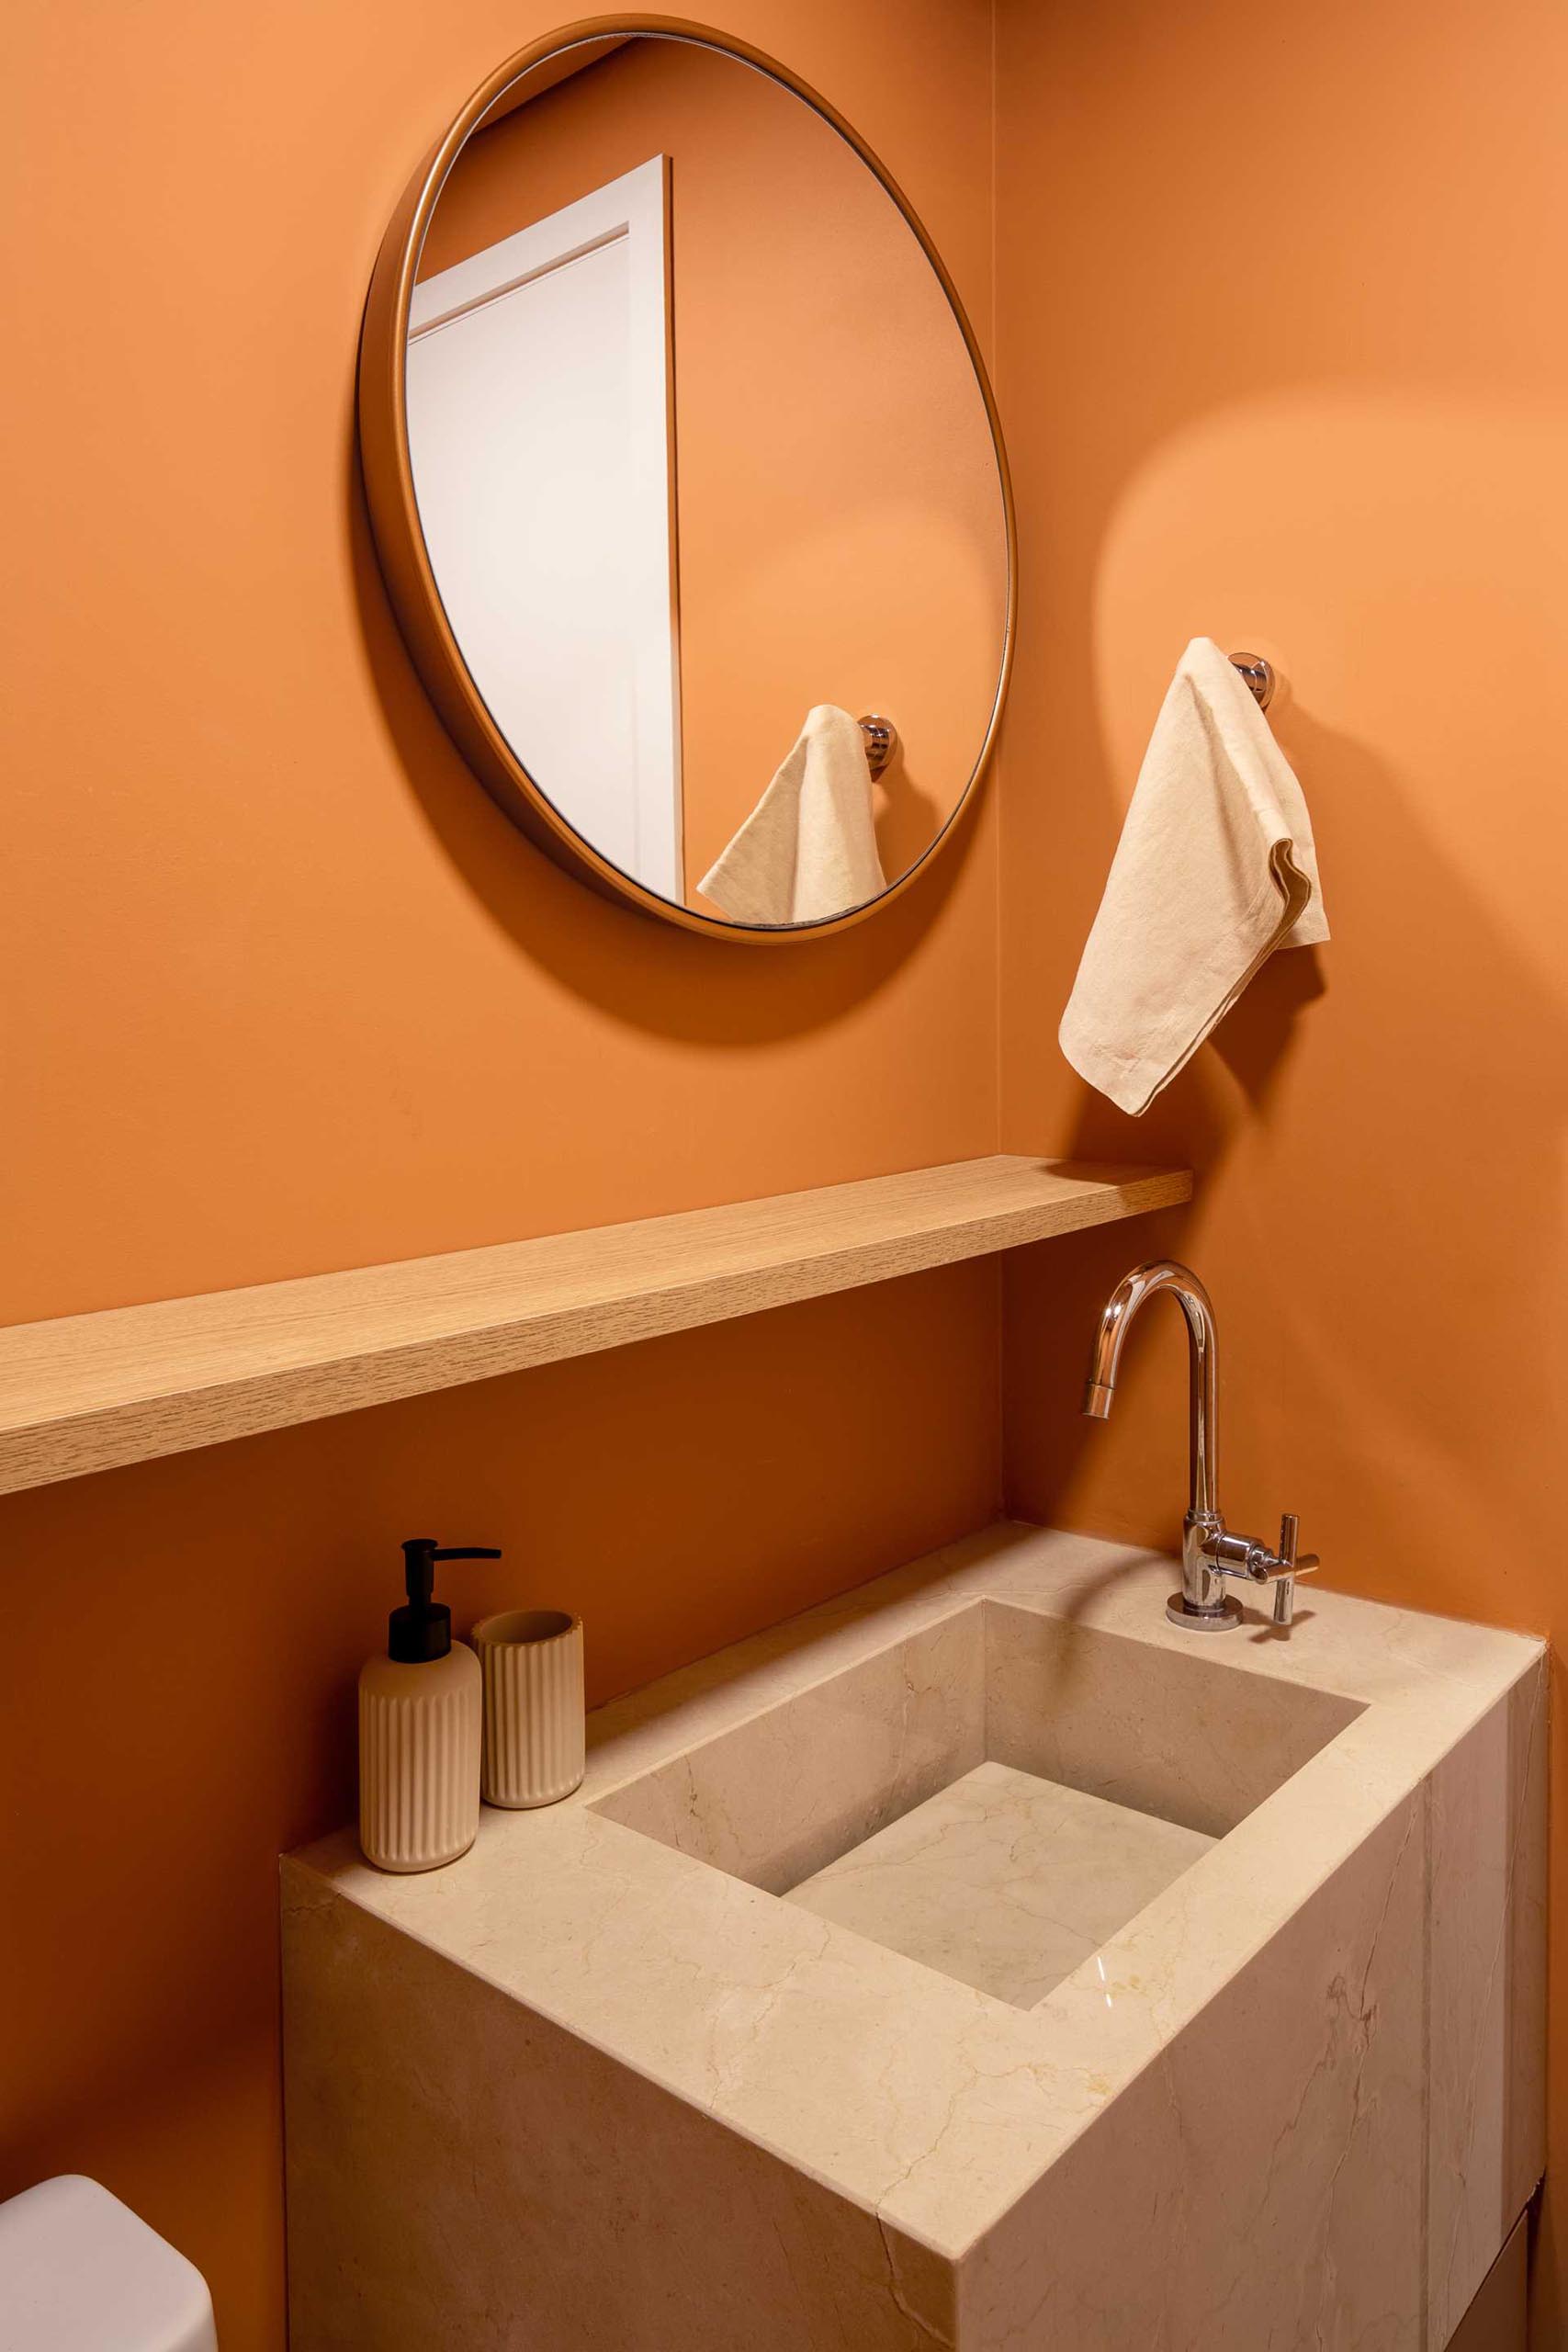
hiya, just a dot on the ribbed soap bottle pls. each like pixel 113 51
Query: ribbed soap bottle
pixel 421 1728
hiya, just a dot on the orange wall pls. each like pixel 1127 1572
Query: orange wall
pixel 1283 360
pixel 285 993
pixel 840 528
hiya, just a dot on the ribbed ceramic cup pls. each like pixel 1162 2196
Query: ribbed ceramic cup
pixel 535 1721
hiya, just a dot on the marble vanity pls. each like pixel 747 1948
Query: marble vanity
pixel 979 1961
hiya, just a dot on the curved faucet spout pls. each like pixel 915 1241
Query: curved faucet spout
pixel 1209 1552
pixel 1116 1319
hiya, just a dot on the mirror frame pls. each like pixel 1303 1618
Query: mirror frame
pixel 404 559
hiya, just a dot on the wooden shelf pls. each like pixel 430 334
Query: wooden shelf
pixel 92 1392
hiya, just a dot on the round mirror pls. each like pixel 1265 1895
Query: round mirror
pixel 686 481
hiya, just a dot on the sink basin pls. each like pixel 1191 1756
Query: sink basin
pixel 976 1962
pixel 995 1796
pixel 1003 1879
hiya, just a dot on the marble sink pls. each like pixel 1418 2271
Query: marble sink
pixel 978 1961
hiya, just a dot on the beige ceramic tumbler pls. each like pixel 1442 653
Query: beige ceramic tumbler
pixel 535 1725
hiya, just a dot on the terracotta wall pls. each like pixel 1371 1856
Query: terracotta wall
pixel 285 993
pixel 1282 361
pixel 840 528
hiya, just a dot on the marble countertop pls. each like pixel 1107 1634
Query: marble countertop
pixel 924 2099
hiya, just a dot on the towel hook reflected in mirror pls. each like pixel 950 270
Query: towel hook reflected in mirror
pixel 881 741
pixel 1259 673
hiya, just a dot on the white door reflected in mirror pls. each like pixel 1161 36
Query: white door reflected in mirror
pixel 540 438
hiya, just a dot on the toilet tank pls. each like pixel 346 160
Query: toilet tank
pixel 79 2272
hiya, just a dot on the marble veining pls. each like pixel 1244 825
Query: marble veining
pixel 667 2108
pixel 1005 1881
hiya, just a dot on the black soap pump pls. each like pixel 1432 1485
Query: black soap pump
pixel 421 1726
pixel 421 1631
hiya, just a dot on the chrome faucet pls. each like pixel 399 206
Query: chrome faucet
pixel 1210 1553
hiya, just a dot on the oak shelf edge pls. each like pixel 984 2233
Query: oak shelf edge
pixel 94 1392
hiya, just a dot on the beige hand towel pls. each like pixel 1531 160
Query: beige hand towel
pixel 1215 868
pixel 808 850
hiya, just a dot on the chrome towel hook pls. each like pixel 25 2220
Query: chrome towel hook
pixel 881 742
pixel 1258 673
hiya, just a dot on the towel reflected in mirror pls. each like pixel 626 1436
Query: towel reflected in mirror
pixel 808 852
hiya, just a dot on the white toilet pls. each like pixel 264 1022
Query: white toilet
pixel 80 2273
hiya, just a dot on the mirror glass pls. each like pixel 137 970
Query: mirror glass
pixel 705 476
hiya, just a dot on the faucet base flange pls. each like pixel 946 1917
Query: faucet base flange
pixel 1203 1621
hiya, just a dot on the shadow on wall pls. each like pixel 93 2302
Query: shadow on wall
pixel 1410 940
pixel 705 991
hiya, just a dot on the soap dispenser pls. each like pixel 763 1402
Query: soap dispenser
pixel 421 1728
